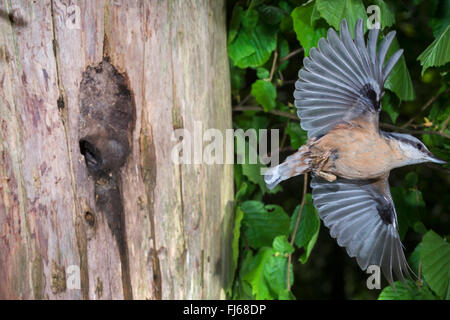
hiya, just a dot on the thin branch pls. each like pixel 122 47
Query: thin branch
pixel 283 139
pixel 290 55
pixel 274 65
pixel 297 223
pixel 382 125
pixel 275 112
pixel 445 124
pixel 401 129
pixel 424 107
pixel 244 100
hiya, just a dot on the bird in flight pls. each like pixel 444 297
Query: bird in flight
pixel 338 99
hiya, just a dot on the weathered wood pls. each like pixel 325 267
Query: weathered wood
pixel 177 217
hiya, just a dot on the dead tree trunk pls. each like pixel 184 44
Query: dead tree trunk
pixel 91 204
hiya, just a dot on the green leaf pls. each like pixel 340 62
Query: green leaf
pixel 253 170
pixel 255 276
pixel 408 203
pixel 308 228
pixel 275 273
pixel 262 224
pixel 419 227
pixel 399 81
pixel 387 103
pixel 237 78
pixel 265 93
pixel 236 235
pixel 250 19
pixel 276 268
pixel 334 11
pixel 282 245
pixel 297 135
pixel 307 35
pixel 271 14
pixel 234 23
pixel 262 73
pixel 241 288
pixel 253 47
pixel 435 257
pixel 414 259
pixel 241 48
pixel 411 179
pixel 402 292
pixel 437 53
pixel 283 50
pixel 241 192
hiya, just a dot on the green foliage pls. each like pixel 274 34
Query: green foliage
pixel 265 94
pixel 409 204
pixel 435 257
pixel 297 135
pixel 406 292
pixel 265 42
pixel 263 223
pixel 438 53
pixel 308 228
pixel 307 34
pixel 252 40
pixel 399 81
pixel 389 106
pixel 334 11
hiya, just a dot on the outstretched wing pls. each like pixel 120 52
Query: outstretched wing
pixel 362 217
pixel 342 79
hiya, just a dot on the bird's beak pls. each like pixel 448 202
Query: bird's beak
pixel 436 160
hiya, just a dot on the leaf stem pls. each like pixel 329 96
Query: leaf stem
pixel 274 65
pixel 297 223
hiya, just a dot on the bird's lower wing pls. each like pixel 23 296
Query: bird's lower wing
pixel 362 217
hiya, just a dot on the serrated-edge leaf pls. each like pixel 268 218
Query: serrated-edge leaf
pixel 255 275
pixel 234 23
pixel 334 11
pixel 307 35
pixel 262 224
pixel 399 81
pixel 437 53
pixel 282 245
pixel 265 94
pixel 435 257
pixel 403 292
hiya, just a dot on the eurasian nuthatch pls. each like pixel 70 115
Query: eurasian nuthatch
pixel 338 98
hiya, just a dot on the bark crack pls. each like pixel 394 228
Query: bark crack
pixel 64 118
pixel 148 168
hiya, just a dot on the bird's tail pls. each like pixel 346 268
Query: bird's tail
pixel 294 165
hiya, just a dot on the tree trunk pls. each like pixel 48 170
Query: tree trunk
pixel 91 204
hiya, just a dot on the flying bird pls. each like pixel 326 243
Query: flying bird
pixel 338 99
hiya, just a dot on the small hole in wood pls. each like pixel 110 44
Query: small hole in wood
pixel 90 218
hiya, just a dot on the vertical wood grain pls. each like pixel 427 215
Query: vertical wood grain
pixel 177 217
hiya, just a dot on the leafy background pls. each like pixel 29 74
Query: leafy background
pixel 274 255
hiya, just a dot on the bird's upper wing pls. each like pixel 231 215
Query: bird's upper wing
pixel 342 79
pixel 362 217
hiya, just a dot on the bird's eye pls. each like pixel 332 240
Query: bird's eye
pixel 419 146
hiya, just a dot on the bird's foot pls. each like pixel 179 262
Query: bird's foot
pixel 327 176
